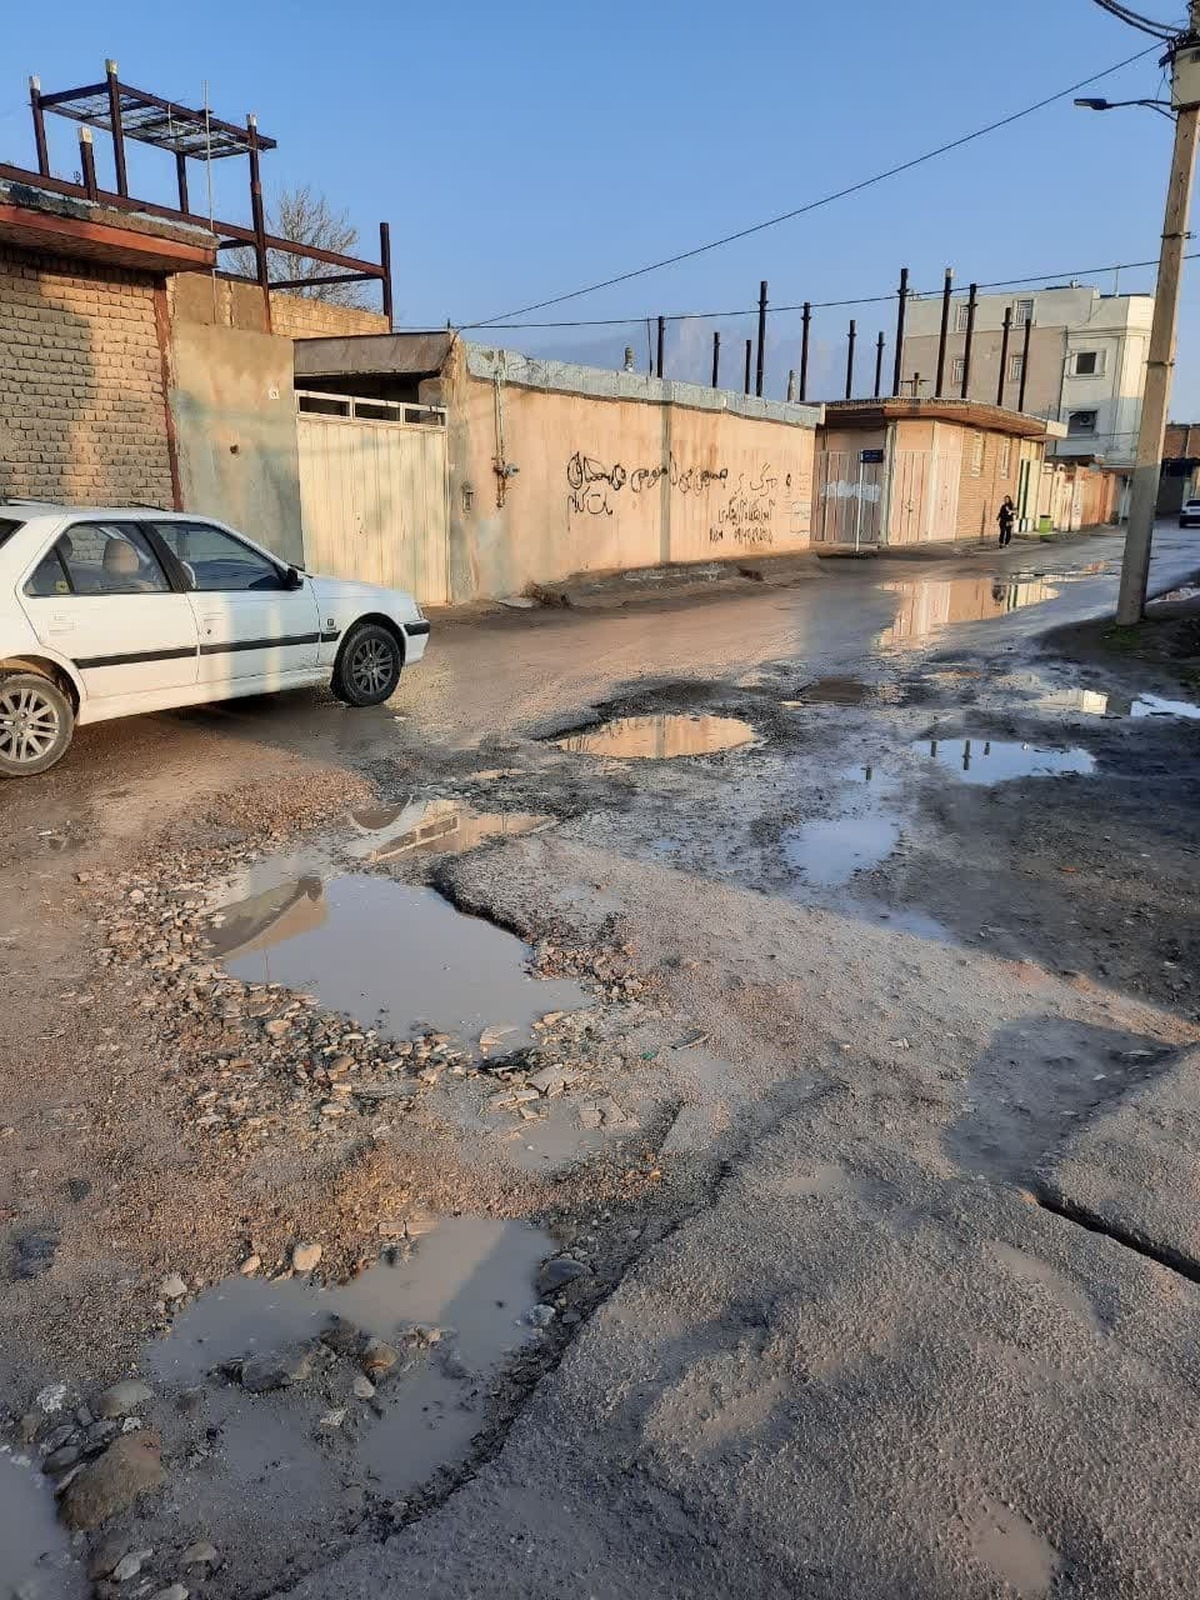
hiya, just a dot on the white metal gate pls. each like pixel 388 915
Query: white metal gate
pixel 947 478
pixel 373 492
pixel 849 505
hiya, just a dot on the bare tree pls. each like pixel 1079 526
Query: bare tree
pixel 306 218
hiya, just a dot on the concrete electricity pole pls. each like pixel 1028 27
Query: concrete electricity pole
pixel 1135 571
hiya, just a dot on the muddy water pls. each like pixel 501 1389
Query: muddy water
pixel 926 606
pixel 660 738
pixel 829 852
pixel 36 1562
pixel 472 1278
pixel 999 760
pixel 434 827
pixel 374 948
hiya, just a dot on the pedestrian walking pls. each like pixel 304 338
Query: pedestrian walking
pixel 1006 516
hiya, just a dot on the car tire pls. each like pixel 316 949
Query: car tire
pixel 37 723
pixel 368 665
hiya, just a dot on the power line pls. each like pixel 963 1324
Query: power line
pixel 1156 30
pixel 821 305
pixel 812 205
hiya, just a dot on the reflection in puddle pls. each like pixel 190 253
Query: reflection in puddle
pixel 473 1279
pixel 830 852
pixel 369 946
pixel 997 760
pixel 927 605
pixel 35 1551
pixel 660 738
pixel 1153 705
pixel 434 827
pixel 1098 703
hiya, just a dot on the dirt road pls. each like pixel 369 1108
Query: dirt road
pixel 769 1216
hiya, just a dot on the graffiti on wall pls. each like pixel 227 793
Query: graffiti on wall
pixel 592 486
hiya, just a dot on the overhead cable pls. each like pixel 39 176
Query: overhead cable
pixel 812 205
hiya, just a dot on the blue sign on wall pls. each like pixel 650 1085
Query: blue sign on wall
pixel 871 458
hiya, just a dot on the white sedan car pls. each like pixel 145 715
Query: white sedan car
pixel 107 612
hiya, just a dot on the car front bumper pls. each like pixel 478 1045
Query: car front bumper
pixel 416 637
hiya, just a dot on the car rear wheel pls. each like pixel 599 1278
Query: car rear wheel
pixel 36 724
pixel 368 665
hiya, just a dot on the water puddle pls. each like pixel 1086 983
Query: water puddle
pixel 926 606
pixel 36 1562
pixel 828 853
pixel 1153 705
pixel 434 827
pixel 471 1282
pixel 1000 760
pixel 845 692
pixel 1186 591
pixel 660 738
pixel 375 948
pixel 1098 703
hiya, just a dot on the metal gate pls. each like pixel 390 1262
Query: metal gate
pixel 374 492
pixel 849 498
pixel 947 477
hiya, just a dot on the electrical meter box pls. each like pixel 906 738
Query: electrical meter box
pixel 1185 80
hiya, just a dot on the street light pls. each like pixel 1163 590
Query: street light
pixel 1119 105
pixel 1183 54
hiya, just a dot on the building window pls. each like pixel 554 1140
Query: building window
pixel 1081 422
pixel 963 316
pixel 978 443
pixel 1023 313
pixel 1088 363
pixel 1005 467
pixel 1016 368
pixel 957 370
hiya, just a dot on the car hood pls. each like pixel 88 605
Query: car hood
pixel 337 596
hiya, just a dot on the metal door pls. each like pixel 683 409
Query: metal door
pixel 943 502
pixel 849 498
pixel 373 493
pixel 910 496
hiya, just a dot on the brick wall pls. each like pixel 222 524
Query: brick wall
pixel 82 414
pixel 299 317
pixel 979 497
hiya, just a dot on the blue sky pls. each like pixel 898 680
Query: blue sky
pixel 520 151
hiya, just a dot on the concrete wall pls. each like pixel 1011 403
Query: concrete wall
pixel 235 422
pixel 614 471
pixel 82 404
pixel 1042 391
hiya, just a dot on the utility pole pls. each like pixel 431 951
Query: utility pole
pixel 1135 569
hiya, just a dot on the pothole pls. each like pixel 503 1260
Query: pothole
pixel 925 606
pixel 660 738
pixel 829 852
pixel 1000 760
pixel 434 827
pixel 372 947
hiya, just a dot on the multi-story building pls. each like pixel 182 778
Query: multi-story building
pixel 1087 362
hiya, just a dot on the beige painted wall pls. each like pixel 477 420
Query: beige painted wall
pixel 610 484
pixel 235 422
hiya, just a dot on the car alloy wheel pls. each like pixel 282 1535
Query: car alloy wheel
pixel 29 723
pixel 370 666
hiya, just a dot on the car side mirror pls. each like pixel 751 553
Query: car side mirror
pixel 293 579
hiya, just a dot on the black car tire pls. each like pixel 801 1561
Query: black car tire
pixel 368 665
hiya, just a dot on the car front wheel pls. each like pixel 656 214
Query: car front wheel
pixel 368 665
pixel 36 724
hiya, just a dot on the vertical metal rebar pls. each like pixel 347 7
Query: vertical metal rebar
pixel 87 162
pixel 1004 338
pixel 662 344
pixel 385 261
pixel 258 215
pixel 947 292
pixel 972 308
pixel 39 126
pixel 850 342
pixel 181 180
pixel 1025 363
pixel 118 132
pixel 804 352
pixel 879 349
pixel 762 338
pixel 716 366
pixel 898 371
pixel 749 359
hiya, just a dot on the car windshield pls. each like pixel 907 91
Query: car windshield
pixel 7 528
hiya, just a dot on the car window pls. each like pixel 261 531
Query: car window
pixel 49 576
pixel 106 558
pixel 216 560
pixel 7 528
